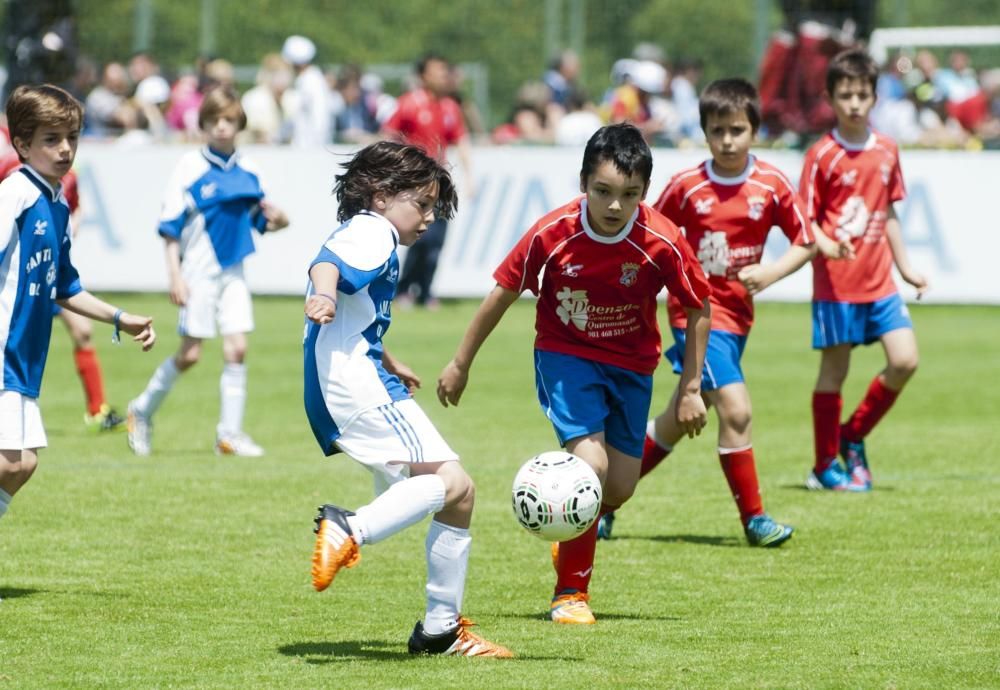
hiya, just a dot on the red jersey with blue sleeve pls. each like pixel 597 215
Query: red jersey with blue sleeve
pixel 597 294
pixel 848 189
pixel 426 121
pixel 35 271
pixel 726 221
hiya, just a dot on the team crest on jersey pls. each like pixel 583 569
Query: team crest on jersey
pixel 886 171
pixel 713 253
pixel 572 270
pixel 756 207
pixel 849 178
pixel 50 275
pixel 573 307
pixel 703 206
pixel 208 190
pixel 630 273
pixel 40 226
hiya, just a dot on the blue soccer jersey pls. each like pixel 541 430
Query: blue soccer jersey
pixel 344 374
pixel 211 205
pixel 35 271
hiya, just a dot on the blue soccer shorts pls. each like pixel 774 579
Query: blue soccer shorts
pixel 582 397
pixel 842 323
pixel 722 358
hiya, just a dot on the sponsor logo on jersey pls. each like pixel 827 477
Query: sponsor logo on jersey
pixel 713 253
pixel 703 206
pixel 573 307
pixel 756 207
pixel 208 190
pixel 40 226
pixel 50 275
pixel 630 273
pixel 853 218
pixel 393 275
pixel 572 270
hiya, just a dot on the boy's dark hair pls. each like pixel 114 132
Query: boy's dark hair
pixel 728 96
pixel 623 145
pixel 428 58
pixel 42 105
pixel 853 63
pixel 218 100
pixel 390 167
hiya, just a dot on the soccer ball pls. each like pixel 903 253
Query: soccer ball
pixel 556 496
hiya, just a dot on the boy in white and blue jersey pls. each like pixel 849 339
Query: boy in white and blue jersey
pixel 36 272
pixel 357 397
pixel 214 203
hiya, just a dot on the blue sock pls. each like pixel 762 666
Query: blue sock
pixel 4 501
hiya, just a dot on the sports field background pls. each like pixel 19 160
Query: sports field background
pixel 188 570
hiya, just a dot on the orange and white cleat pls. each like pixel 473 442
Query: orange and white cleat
pixel 458 642
pixel 335 546
pixel 571 607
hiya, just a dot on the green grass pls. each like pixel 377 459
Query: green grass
pixel 187 570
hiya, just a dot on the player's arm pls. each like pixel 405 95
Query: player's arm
pixel 178 288
pixel 321 306
pixel 86 304
pixel 691 413
pixel 894 233
pixel 404 372
pixel 455 376
pixel 756 277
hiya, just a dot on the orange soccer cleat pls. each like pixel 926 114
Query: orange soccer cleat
pixel 571 607
pixel 459 642
pixel 335 546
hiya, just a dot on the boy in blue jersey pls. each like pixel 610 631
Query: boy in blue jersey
pixel 36 272
pixel 357 396
pixel 213 203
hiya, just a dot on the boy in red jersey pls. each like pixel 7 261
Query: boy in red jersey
pixel 597 265
pixel 727 206
pixel 850 180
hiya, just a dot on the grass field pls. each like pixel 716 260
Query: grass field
pixel 187 570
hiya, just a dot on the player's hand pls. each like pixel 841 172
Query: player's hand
pixel 451 383
pixel 406 375
pixel 178 292
pixel 691 414
pixel 320 309
pixel 835 250
pixel 918 281
pixel 276 218
pixel 754 278
pixel 140 328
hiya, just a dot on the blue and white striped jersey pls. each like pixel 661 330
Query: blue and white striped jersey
pixel 211 204
pixel 344 374
pixel 35 270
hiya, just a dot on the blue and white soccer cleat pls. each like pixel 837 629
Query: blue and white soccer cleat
pixel 605 524
pixel 859 476
pixel 762 530
pixel 831 478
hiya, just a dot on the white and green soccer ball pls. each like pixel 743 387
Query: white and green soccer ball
pixel 556 496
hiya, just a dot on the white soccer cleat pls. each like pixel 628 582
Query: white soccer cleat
pixel 237 444
pixel 140 431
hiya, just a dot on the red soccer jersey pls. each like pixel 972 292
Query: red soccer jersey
pixel 426 121
pixel 848 189
pixel 597 295
pixel 726 220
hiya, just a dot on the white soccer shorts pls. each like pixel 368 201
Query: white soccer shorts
pixel 224 300
pixel 20 422
pixel 385 438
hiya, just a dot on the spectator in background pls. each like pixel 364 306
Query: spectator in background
pixel 632 101
pixel 430 118
pixel 959 84
pixel 185 100
pixel 141 65
pixel 152 97
pixel 561 78
pixel 105 100
pixel 684 94
pixel 579 123
pixel 308 102
pixel 379 102
pixel 355 119
pixel 527 122
pixel 262 103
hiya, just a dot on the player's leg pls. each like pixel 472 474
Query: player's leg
pixel 99 416
pixel 889 322
pixel 834 334
pixel 235 317
pixel 736 457
pixel 21 436
pixel 143 407
pixel 16 468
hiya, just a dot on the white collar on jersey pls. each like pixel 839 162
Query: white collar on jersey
pixel 224 163
pixel 851 146
pixel 376 214
pixel 53 191
pixel 605 239
pixel 739 179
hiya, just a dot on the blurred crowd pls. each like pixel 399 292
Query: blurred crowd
pixel 295 101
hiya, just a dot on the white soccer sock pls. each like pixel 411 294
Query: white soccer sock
pixel 4 501
pixel 651 432
pixel 159 385
pixel 401 505
pixel 233 393
pixel 447 562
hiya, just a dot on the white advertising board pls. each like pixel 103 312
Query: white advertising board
pixel 950 217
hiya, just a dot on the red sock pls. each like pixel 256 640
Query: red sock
pixel 576 558
pixel 89 369
pixel 652 455
pixel 826 426
pixel 741 473
pixel 871 409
